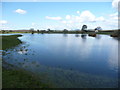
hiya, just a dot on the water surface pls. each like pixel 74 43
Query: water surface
pixel 68 60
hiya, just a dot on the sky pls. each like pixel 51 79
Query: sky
pixel 59 15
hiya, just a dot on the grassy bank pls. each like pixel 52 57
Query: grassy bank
pixel 13 78
pixel 10 41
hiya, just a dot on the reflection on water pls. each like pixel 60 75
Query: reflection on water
pixel 77 35
pixel 80 61
pixel 98 37
pixel 65 35
pixel 83 36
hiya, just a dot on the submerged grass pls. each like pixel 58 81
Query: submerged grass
pixel 17 78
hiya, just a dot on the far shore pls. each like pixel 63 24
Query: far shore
pixel 112 33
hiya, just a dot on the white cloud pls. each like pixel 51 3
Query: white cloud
pixel 112 21
pixel 20 11
pixel 70 21
pixel 100 18
pixel 68 17
pixel 53 18
pixel 5 28
pixel 64 22
pixel 87 16
pixel 3 21
pixel 33 24
pixel 78 12
pixel 77 17
pixel 116 18
pixel 115 4
pixel 114 14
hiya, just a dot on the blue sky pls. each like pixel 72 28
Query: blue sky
pixel 58 15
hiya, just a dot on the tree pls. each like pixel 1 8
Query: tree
pixel 32 30
pixel 98 28
pixel 3 31
pixel 84 28
pixel 65 30
pixel 43 31
pixel 48 29
pixel 38 31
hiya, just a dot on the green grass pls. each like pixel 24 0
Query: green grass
pixel 10 41
pixel 20 79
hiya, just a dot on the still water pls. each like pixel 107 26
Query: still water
pixel 68 60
